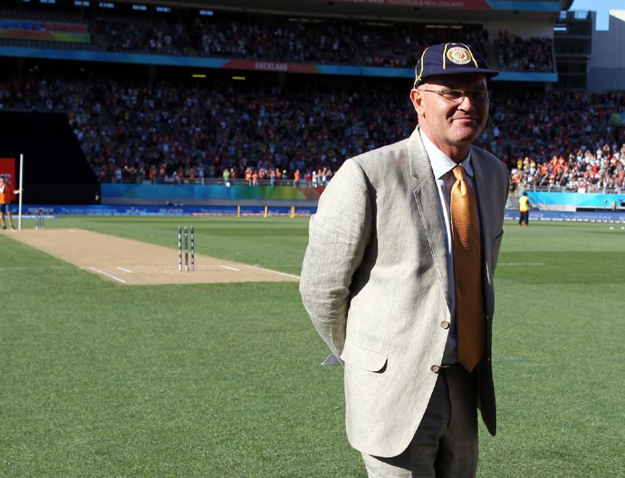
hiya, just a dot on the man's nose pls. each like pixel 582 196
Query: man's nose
pixel 467 102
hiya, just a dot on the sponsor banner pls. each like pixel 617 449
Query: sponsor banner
pixel 45 36
pixel 65 27
pixel 607 217
pixel 50 211
pixel 146 59
pixel 110 57
pixel 343 70
pixel 387 72
pixel 579 200
pixel 526 76
pixel 182 192
pixel 32 25
pixel 424 3
pixel 525 5
pixel 271 66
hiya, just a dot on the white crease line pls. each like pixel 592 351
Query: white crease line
pixel 275 272
pixel 231 268
pixel 108 275
pixel 522 264
pixel 125 270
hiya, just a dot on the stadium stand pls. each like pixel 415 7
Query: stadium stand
pixel 517 54
pixel 161 126
pixel 136 130
pixel 159 37
pixel 298 39
pixel 399 45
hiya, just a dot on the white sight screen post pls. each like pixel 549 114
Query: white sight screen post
pixel 19 212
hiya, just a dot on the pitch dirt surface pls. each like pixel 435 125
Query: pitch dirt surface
pixel 138 263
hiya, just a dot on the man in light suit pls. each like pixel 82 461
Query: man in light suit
pixel 398 278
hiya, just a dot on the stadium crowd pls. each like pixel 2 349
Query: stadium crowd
pixel 326 41
pixel 164 131
pixel 295 41
pixel 575 140
pixel 291 39
pixel 400 45
pixel 580 171
pixel 158 37
pixel 517 54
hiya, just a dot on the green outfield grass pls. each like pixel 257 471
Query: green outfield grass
pixel 107 380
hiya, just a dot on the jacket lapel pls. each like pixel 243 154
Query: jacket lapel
pixel 429 207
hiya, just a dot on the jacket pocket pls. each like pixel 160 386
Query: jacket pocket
pixel 363 357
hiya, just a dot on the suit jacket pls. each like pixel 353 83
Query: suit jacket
pixel 375 284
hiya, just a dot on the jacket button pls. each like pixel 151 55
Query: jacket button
pixel 445 324
pixel 435 368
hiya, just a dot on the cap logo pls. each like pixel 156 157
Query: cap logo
pixel 459 55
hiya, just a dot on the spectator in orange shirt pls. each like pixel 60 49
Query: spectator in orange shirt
pixel 6 197
pixel 296 178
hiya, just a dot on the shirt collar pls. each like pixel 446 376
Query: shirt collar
pixel 441 163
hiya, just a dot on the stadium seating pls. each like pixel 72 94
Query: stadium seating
pixel 517 54
pixel 287 38
pixel 140 129
pixel 137 130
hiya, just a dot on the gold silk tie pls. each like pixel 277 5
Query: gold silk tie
pixel 467 253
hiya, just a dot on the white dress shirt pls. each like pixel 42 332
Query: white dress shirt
pixel 442 166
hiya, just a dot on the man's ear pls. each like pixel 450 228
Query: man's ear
pixel 417 100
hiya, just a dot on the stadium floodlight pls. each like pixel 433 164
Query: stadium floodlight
pixel 198 75
pixel 207 13
pixel 49 2
pixel 81 3
pixel 163 9
pixel 106 5
pixel 142 8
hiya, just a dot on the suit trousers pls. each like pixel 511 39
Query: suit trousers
pixel 445 444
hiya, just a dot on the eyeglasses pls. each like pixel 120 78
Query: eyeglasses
pixel 456 96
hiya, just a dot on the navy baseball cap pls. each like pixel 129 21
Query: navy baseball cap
pixel 451 59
